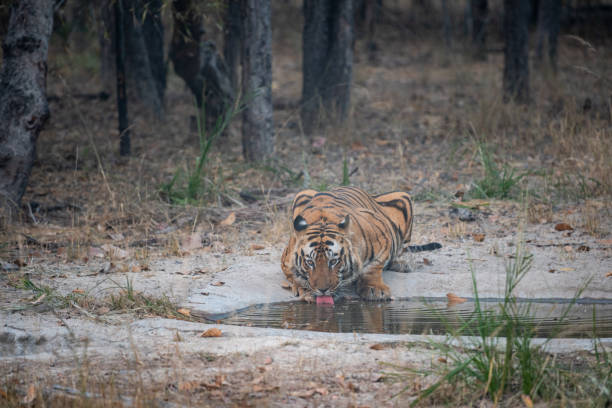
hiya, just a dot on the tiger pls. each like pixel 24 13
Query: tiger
pixel 345 236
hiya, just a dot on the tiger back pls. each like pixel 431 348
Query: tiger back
pixel 345 236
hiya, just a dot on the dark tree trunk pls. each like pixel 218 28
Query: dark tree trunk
pixel 549 17
pixel 446 24
pixel 257 125
pixel 105 20
pixel 232 38
pixel 516 56
pixel 367 13
pixel 480 12
pixel 198 63
pixel 122 107
pixel 144 51
pixel 23 101
pixel 185 45
pixel 327 61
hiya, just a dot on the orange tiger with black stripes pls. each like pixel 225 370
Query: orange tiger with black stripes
pixel 344 237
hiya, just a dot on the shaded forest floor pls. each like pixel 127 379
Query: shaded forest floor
pixel 420 115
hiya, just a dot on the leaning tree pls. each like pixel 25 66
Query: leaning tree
pixel 23 100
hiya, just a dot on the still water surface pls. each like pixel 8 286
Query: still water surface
pixel 433 316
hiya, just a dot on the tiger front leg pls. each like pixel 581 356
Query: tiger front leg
pixel 372 287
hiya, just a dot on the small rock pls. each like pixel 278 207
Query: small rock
pixel 464 214
pixel 7 266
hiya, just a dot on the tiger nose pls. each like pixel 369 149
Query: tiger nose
pixel 323 290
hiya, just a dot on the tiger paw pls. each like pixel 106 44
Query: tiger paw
pixel 372 293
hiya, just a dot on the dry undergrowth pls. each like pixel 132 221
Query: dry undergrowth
pixel 418 114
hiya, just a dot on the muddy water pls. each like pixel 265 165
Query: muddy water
pixel 433 316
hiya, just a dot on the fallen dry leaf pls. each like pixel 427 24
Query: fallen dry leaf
pixel 358 146
pixel 78 291
pixel 95 252
pixel 268 361
pixel 442 360
pixel 527 401
pixel 219 283
pixel 302 394
pixel 472 204
pixel 213 332
pixel 257 247
pixel 191 241
pixel 117 237
pixel 30 396
pixel 426 262
pixel 567 269
pixel 377 346
pixel 39 299
pixel 188 385
pixel 115 252
pixel 219 380
pixel 229 220
pixel 103 310
pixel 318 142
pixel 609 274
pixel 454 299
pixel 478 237
pixel 184 312
pixel 563 227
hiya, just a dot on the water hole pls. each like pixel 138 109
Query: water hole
pixel 548 317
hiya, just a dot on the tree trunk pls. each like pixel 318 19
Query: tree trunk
pixel 23 101
pixel 185 45
pixel 122 107
pixel 198 63
pixel 516 55
pixel 144 51
pixel 549 17
pixel 446 24
pixel 232 38
pixel 479 11
pixel 327 60
pixel 257 125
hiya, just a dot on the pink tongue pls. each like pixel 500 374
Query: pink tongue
pixel 325 300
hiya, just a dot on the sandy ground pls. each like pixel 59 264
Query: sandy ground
pixel 273 366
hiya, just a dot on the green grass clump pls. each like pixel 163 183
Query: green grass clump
pixel 188 186
pixel 498 182
pixel 497 359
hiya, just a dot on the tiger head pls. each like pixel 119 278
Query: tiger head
pixel 322 261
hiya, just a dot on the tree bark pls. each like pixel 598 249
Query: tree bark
pixel 122 107
pixel 144 51
pixel 23 101
pixel 232 39
pixel 516 56
pixel 479 11
pixel 198 63
pixel 257 124
pixel 327 60
pixel 549 21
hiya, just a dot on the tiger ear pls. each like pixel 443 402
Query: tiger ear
pixel 344 223
pixel 299 223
